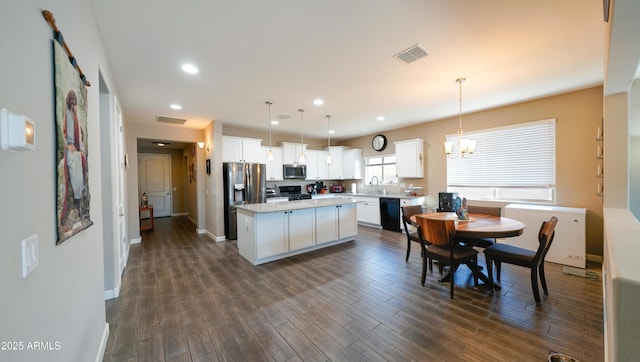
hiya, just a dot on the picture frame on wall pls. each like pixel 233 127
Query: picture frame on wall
pixel 73 212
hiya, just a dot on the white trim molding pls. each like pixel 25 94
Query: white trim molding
pixel 103 343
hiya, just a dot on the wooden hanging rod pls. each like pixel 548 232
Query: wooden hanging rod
pixel 58 37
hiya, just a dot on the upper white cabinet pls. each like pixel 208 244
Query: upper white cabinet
pixel 317 168
pixel 410 158
pixel 292 152
pixel 336 169
pixel 352 164
pixel 274 168
pixel 238 149
pixel 323 166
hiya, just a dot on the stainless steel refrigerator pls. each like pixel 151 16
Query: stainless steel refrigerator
pixel 244 183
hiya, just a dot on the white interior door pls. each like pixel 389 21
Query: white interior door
pixel 155 181
pixel 123 245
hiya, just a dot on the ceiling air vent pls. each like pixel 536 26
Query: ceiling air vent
pixel 411 54
pixel 170 120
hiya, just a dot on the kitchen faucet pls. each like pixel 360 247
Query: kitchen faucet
pixel 377 183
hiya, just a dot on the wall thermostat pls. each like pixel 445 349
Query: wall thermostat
pixel 17 132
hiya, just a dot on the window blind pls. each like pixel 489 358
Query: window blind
pixel 518 156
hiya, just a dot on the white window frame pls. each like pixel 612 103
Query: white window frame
pixel 510 163
pixel 383 157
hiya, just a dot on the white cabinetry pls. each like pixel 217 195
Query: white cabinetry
pixel 280 232
pixel 412 201
pixel 301 228
pixel 274 168
pixel 292 152
pixel 336 169
pixel 336 222
pixel 268 232
pixel 236 149
pixel 352 164
pixel 369 210
pixel 273 233
pixel 410 158
pixel 317 168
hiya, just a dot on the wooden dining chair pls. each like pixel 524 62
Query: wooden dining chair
pixel 504 253
pixel 409 228
pixel 481 242
pixel 437 240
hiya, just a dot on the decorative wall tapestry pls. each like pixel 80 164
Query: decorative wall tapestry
pixel 72 169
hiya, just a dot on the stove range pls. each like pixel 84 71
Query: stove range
pixel 299 197
pixel 293 193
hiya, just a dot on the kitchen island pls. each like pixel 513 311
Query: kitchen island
pixel 272 231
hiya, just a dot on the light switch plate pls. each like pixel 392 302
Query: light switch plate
pixel 30 255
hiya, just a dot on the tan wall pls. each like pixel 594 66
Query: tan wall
pixel 192 186
pixel 578 115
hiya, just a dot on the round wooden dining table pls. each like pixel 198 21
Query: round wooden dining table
pixel 479 226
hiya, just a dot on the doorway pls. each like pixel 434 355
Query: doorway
pixel 155 180
pixel 115 238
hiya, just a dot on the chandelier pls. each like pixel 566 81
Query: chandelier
pixel 466 147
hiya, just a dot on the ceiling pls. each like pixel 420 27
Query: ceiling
pixel 293 51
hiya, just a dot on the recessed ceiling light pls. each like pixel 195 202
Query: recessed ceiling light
pixel 318 102
pixel 189 68
pixel 332 131
pixel 175 106
pixel 275 122
pixel 380 118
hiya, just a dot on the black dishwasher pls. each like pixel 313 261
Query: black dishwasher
pixel 390 213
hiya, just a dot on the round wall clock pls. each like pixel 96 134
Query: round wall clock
pixel 379 142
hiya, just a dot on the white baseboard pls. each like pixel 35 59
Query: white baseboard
pixel 595 258
pixel 201 231
pixel 137 240
pixel 180 214
pixel 113 293
pixel 103 343
pixel 217 239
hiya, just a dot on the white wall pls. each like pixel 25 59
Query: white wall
pixel 62 300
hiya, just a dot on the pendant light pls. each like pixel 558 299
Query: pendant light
pixel 301 158
pixel 329 160
pixel 466 147
pixel 270 153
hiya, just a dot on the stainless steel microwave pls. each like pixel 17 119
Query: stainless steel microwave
pixel 298 171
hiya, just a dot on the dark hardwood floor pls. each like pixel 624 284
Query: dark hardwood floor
pixel 187 298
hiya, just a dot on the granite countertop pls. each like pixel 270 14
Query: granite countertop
pixel 368 194
pixel 296 205
pixel 373 194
